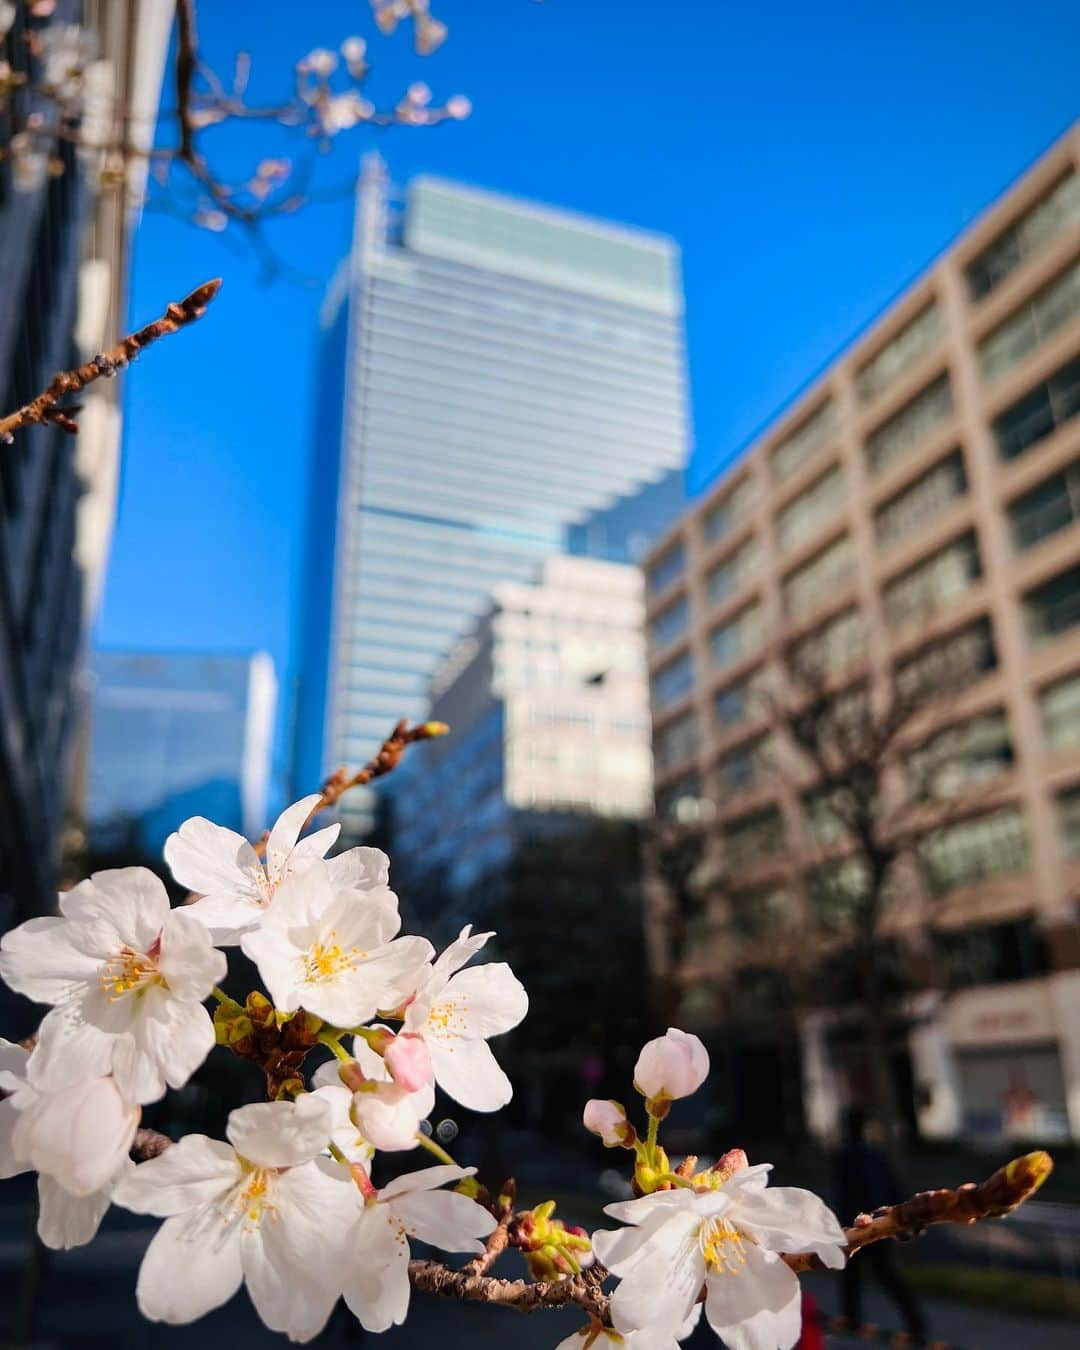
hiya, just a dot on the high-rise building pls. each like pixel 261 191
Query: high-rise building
pixel 919 504
pixel 625 531
pixel 547 698
pixel 178 734
pixel 66 215
pixel 504 369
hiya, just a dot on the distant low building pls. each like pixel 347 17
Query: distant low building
pixel 178 734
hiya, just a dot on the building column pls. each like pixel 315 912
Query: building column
pixel 821 1091
pixel 1065 1000
pixel 934 1066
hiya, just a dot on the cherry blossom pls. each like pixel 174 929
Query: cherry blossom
pixel 263 1210
pixel 728 1238
pixel 126 975
pixel 595 1337
pixel 608 1120
pixel 376 1261
pixel 235 885
pixel 672 1066
pixel 456 1010
pixel 330 948
pixel 382 1112
pixel 65 1219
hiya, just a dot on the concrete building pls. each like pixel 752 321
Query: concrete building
pixel 493 370
pixel 178 734
pixel 547 699
pixel 923 496
pixel 65 221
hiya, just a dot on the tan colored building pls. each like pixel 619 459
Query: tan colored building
pixel 923 496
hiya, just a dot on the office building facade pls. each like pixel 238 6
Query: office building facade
pixel 920 500
pixel 504 369
pixel 65 224
pixel 178 734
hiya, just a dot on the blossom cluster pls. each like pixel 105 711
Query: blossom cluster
pixel 286 1203
pixel 716 1236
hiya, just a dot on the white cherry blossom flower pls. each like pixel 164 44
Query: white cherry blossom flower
pixel 729 1239
pixel 672 1066
pixel 376 1261
pixel 383 1113
pixel 126 975
pixel 605 1337
pixel 234 884
pixel 330 949
pixel 262 1209
pixel 65 1220
pixel 456 1010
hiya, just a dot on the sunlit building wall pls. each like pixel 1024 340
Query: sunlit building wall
pixel 505 369
pixel 922 498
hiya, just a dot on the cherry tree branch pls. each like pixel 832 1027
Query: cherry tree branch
pixel 384 761
pixel 45 407
pixel 994 1198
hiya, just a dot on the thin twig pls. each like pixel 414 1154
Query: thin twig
pixel 384 761
pixel 999 1195
pixel 45 408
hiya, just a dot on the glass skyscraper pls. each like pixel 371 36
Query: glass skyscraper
pixel 492 371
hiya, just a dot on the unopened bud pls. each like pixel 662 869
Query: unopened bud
pixel 608 1120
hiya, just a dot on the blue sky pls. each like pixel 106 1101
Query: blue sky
pixel 809 159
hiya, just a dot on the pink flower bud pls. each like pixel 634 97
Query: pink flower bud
pixel 608 1120
pixel 408 1061
pixel 458 107
pixel 673 1066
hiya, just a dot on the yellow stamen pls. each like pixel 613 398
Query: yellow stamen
pixel 325 960
pixel 723 1247
pixel 128 971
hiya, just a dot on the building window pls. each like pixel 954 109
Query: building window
pixel 909 345
pixel 730 513
pixel 1054 607
pixel 1039 413
pixel 753 839
pixel 980 849
pixel 669 624
pixel 1068 804
pixel 933 583
pixel 682 800
pixel 821 577
pixel 673 681
pixel 909 511
pixel 1053 505
pixel 732 705
pixel 744 768
pixel 738 639
pixel 831 648
pixel 949 663
pixel 1059 709
pixel 910 426
pixel 813 509
pixel 1031 324
pixel 1040 224
pixel 667 569
pixel 676 741
pixel 800 445
pixel 962 756
pixel 994 953
pixel 726 578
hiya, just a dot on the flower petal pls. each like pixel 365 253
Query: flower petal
pixel 192 1172
pixel 191 1266
pixel 209 859
pixel 133 900
pixel 757 1309
pixel 427 1179
pixel 286 831
pixel 281 1134
pixel 47 960
pixel 189 962
pixel 469 1072
pixel 662 1278
pixel 461 950
pixel 377 1275
pixel 66 1220
pixel 69 1050
pixel 789 1219
pixel 444 1219
pixel 360 869
pixel 491 998
pixel 168 1042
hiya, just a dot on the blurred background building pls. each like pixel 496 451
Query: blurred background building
pixel 65 224
pixel 920 501
pixel 492 372
pixel 178 734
